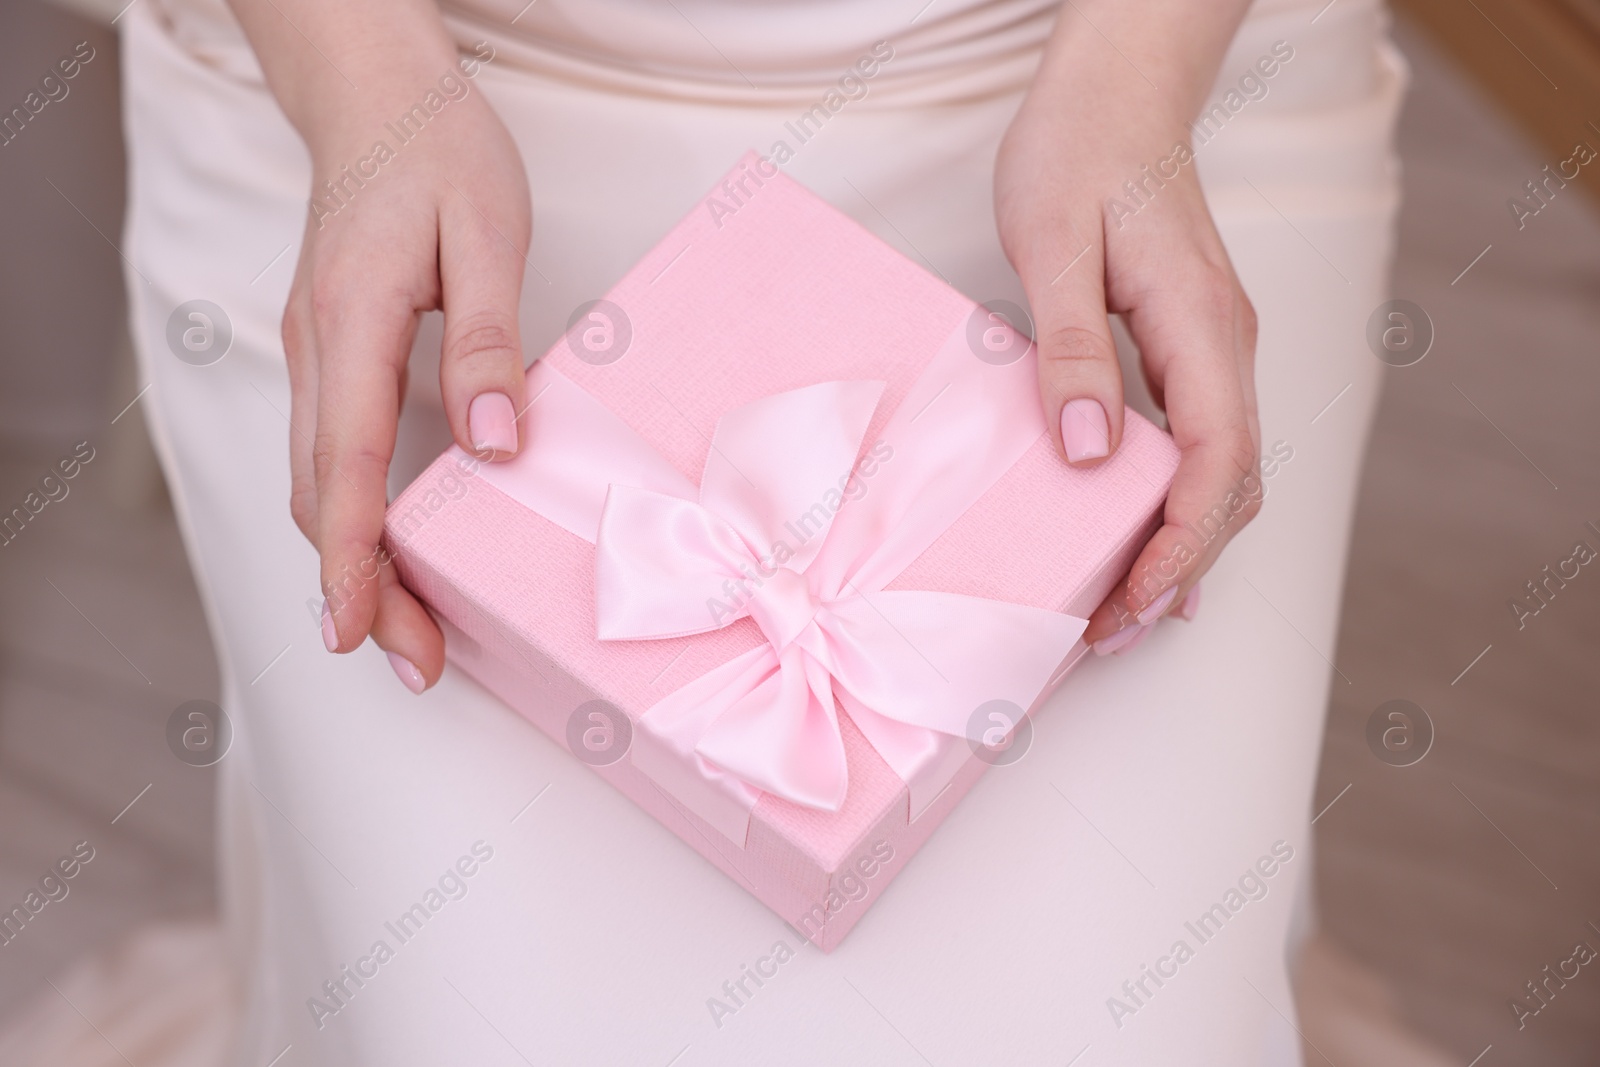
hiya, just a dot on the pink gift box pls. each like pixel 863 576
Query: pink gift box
pixel 763 288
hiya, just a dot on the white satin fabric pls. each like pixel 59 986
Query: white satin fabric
pixel 593 936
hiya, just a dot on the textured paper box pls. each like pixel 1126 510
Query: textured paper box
pixel 739 301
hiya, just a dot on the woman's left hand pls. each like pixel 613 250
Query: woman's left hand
pixel 1093 132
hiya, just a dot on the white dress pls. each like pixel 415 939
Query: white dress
pixel 1041 923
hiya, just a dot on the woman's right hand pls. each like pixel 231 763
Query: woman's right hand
pixel 441 220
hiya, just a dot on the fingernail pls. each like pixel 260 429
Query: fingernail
pixel 1084 430
pixel 1158 606
pixel 492 423
pixel 1107 645
pixel 1191 604
pixel 1138 638
pixel 330 634
pixel 407 672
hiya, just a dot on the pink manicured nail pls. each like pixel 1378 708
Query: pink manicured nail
pixel 1138 638
pixel 1107 645
pixel 330 634
pixel 407 672
pixel 492 423
pixel 1191 604
pixel 1084 430
pixel 1158 606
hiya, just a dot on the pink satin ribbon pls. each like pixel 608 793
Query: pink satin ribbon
pixel 782 531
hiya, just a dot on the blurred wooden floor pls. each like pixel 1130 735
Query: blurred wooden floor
pixel 1461 877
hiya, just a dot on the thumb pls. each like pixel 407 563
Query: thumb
pixel 1079 379
pixel 480 369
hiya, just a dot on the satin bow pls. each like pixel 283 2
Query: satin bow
pixel 798 530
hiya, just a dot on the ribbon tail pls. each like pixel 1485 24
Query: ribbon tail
pixel 666 735
pixel 907 662
pixel 925 760
pixel 931 659
pixel 784 736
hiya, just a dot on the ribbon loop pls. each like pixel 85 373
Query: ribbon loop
pixel 776 464
pixel 666 567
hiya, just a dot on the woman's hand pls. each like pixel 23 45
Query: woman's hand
pixel 439 220
pixel 1111 105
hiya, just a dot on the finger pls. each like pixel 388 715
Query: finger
pixel 1189 607
pixel 364 333
pixel 403 628
pixel 1080 382
pixel 480 369
pixel 1188 331
pixel 1245 331
pixel 300 354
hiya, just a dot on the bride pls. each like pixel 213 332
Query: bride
pixel 382 303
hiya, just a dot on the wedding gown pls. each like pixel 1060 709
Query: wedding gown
pixel 1029 928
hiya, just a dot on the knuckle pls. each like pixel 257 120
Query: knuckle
pixel 1242 454
pixel 1245 459
pixel 1249 322
pixel 327 297
pixel 1070 347
pixel 332 458
pixel 303 508
pixel 323 463
pixel 1216 290
pixel 290 328
pixel 1249 330
pixel 293 330
pixel 483 340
